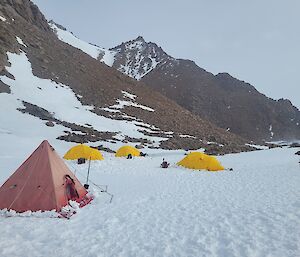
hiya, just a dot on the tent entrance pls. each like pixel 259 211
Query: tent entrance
pixel 71 191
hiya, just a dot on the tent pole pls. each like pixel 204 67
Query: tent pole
pixel 87 178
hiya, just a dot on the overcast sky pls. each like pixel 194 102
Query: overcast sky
pixel 257 41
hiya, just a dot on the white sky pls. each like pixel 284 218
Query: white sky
pixel 256 41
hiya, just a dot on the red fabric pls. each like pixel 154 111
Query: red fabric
pixel 40 183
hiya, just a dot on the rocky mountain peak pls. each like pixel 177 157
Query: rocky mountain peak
pixel 140 38
pixel 136 58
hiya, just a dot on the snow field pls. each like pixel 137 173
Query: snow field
pixel 251 211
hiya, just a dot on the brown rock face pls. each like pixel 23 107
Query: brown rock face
pixel 227 102
pixel 27 10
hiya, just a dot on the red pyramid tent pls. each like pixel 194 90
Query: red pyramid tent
pixel 43 182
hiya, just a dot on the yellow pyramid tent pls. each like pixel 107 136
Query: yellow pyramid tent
pixel 83 151
pixel 127 149
pixel 200 161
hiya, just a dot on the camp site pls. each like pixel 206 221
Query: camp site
pixel 149 128
pixel 181 203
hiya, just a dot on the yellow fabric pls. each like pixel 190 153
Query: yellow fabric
pixel 127 149
pixel 201 161
pixel 83 151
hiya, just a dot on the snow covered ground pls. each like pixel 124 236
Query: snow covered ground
pixel 251 211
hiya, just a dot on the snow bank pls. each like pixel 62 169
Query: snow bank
pixel 39 214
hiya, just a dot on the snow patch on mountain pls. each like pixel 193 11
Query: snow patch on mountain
pixel 20 41
pixel 260 147
pixel 70 39
pixel 187 136
pixel 130 96
pixel 104 55
pixel 2 18
pixel 121 104
pixel 271 131
pixel 108 57
pixel 60 101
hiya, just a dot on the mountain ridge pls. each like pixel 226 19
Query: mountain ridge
pixel 94 89
pixel 201 92
pixel 228 102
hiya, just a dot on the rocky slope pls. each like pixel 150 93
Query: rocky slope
pixel 229 103
pixel 107 92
